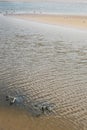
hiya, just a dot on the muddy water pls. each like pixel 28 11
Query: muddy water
pixel 45 64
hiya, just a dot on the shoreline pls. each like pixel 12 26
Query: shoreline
pixel 75 21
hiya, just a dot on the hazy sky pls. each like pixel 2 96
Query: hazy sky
pixel 48 0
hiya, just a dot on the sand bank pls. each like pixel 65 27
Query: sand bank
pixel 14 119
pixel 62 20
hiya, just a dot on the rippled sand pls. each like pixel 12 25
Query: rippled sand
pixel 46 64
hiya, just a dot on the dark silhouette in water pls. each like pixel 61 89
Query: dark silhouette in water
pixel 35 108
pixel 11 99
pixel 14 99
pixel 44 107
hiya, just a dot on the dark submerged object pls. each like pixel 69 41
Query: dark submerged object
pixel 36 108
pixel 44 107
pixel 13 100
pixel 7 98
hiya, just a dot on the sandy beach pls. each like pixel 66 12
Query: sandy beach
pixel 16 119
pixel 44 69
pixel 76 21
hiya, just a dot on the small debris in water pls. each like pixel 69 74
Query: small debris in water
pixel 36 108
pixel 12 100
pixel 44 107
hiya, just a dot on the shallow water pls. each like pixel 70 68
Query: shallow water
pixel 44 7
pixel 45 63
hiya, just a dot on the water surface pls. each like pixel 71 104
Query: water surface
pixel 44 7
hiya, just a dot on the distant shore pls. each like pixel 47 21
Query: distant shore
pixel 76 21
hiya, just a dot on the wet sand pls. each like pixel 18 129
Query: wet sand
pixel 63 20
pixel 15 119
pixel 43 69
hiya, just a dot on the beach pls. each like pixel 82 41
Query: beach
pixel 76 21
pixel 16 119
pixel 43 62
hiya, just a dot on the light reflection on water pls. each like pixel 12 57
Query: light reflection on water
pixel 44 65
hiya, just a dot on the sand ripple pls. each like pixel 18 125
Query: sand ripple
pixel 44 70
